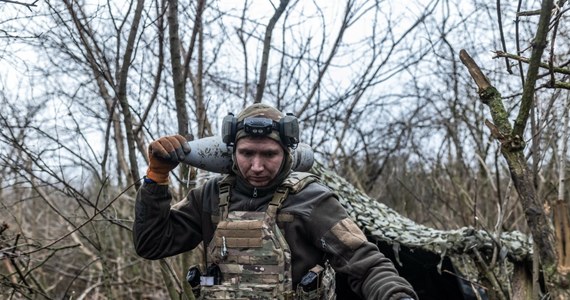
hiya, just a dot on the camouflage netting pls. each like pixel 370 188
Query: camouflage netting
pixel 387 225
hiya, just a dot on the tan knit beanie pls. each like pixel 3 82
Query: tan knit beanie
pixel 260 110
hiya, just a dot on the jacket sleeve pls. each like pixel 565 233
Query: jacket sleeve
pixel 160 230
pixel 370 274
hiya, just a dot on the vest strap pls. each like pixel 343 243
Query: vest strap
pixel 224 201
pixel 278 197
pixel 224 187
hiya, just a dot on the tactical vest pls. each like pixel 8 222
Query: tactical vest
pixel 249 257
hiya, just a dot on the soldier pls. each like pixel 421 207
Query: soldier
pixel 269 233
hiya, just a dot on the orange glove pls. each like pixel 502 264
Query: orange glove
pixel 164 155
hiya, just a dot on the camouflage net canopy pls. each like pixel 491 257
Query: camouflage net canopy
pixel 387 225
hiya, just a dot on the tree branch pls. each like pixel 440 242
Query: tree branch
pixel 512 145
pixel 526 60
pixel 266 47
pixel 539 44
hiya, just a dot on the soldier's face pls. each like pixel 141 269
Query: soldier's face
pixel 259 159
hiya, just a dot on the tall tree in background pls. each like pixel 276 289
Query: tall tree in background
pixel 552 249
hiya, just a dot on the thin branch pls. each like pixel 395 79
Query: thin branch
pixel 565 138
pixel 529 13
pixel 526 60
pixel 161 11
pixel 28 5
pixel 539 44
pixel 503 43
pixel 517 40
pixel 484 268
pixel 266 47
pixel 344 25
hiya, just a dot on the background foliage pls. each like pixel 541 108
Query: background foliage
pixel 377 86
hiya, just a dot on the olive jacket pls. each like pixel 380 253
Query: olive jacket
pixel 315 225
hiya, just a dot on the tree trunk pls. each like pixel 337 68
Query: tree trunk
pixel 512 146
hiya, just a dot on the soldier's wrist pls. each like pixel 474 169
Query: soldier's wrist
pixel 155 177
pixel 148 180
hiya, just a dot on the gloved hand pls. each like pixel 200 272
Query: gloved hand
pixel 164 155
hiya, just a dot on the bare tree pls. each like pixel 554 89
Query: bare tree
pixel 512 145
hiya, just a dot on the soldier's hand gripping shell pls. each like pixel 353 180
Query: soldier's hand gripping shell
pixel 164 155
